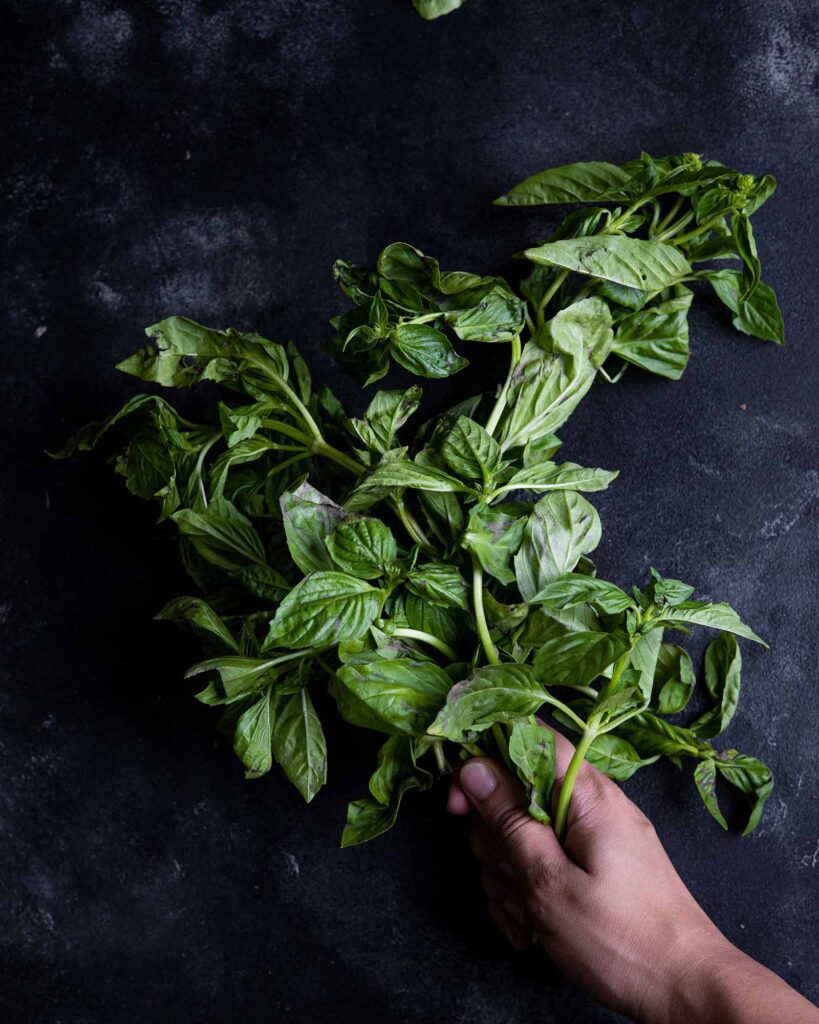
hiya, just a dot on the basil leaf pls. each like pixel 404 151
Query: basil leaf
pixel 532 751
pixel 723 666
pixel 715 616
pixel 440 584
pixel 562 527
pixel 634 262
pixel 556 370
pixel 751 777
pixel 759 315
pixel 497 317
pixel 298 744
pixel 240 676
pixel 324 608
pixel 400 473
pixel 401 696
pixel 196 615
pixel 395 775
pixel 549 476
pixel 385 415
pixel 364 548
pixel 222 535
pixel 651 735
pixel 705 776
pixel 309 517
pixel 493 536
pixel 424 351
pixel 644 656
pixel 616 757
pixel 496 693
pixel 674 680
pixel 572 589
pixel 655 339
pixel 469 451
pixel 429 9
pixel 570 183
pixel 578 658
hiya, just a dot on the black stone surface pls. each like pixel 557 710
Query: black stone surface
pixel 212 159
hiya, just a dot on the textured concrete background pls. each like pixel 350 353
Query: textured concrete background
pixel 212 159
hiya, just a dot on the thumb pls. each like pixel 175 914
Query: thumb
pixel 498 799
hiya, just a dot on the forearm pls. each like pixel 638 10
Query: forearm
pixel 725 986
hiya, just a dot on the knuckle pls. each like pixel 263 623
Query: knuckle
pixel 541 875
pixel 509 822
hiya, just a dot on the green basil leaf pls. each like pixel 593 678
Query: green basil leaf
pixel 572 589
pixel 549 476
pixel 324 608
pixel 493 536
pixel 556 370
pixel 562 527
pixel 469 451
pixel 298 743
pixel 570 183
pixel 651 735
pixel 400 473
pixel 363 547
pixel 532 750
pixel 705 776
pixel 440 584
pixel 751 777
pixel 656 340
pixel 196 615
pixel 385 415
pixel 497 317
pixel 400 696
pixel 644 656
pixel 723 667
pixel 634 262
pixel 496 693
pixel 715 616
pixel 240 676
pixel 309 517
pixel 759 315
pixel 578 658
pixel 668 591
pixel 674 680
pixel 616 757
pixel 222 535
pixel 424 351
pixel 429 9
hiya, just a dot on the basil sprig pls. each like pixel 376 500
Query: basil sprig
pixel 436 579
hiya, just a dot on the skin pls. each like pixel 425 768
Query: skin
pixel 608 907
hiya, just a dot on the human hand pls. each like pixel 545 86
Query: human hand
pixel 608 907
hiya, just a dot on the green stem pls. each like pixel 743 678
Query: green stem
pixel 500 403
pixel 480 615
pixel 699 229
pixel 619 668
pixel 287 430
pixel 299 406
pixel 440 760
pixel 411 525
pixel 321 447
pixel 672 213
pixel 567 711
pixel 671 232
pixel 427 638
pixel 547 298
pixel 502 742
pixel 569 779
pixel 199 463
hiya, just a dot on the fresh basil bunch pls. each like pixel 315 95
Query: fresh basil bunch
pixel 440 583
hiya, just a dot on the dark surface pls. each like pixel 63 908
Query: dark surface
pixel 212 159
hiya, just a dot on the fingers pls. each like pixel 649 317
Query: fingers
pixel 499 801
pixel 457 800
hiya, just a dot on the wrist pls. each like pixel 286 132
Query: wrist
pixel 693 973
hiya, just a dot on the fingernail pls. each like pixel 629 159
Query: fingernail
pixel 478 780
pixel 507 869
pixel 516 911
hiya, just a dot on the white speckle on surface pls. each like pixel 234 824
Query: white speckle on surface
pixel 810 860
pixel 292 863
pixel 40 331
